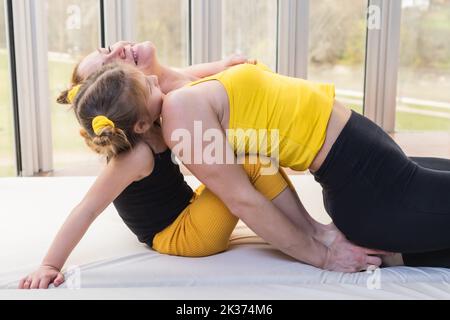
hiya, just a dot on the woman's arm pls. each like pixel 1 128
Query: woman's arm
pixel 208 69
pixel 329 235
pixel 117 175
pixel 289 203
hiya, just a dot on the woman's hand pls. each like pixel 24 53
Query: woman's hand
pixel 236 59
pixel 344 256
pixel 325 234
pixel 42 278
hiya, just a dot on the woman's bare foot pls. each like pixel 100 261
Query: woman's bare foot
pixel 393 261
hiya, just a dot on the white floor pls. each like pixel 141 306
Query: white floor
pixel 109 263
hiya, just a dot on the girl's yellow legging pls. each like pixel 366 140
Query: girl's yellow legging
pixel 204 227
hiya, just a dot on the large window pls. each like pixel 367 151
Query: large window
pixel 7 159
pixel 337 47
pixel 73 32
pixel 250 27
pixel 424 74
pixel 165 23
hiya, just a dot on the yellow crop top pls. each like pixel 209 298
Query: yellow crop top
pixel 263 100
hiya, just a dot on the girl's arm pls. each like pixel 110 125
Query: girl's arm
pixel 117 175
pixel 208 69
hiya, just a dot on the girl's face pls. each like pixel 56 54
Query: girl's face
pixel 156 96
pixel 142 55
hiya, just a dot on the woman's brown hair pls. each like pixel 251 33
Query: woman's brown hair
pixel 76 80
pixel 116 91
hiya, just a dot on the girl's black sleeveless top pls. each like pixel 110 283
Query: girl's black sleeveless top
pixel 150 205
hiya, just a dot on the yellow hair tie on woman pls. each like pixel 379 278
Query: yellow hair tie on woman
pixel 101 122
pixel 71 95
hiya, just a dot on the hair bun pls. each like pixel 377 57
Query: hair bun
pixel 110 142
pixel 63 97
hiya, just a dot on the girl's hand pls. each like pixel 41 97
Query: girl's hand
pixel 236 59
pixel 42 278
pixel 344 256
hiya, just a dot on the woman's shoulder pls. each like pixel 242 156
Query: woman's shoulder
pixel 179 100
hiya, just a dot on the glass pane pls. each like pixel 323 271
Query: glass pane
pixel 337 47
pixel 7 158
pixel 250 27
pixel 165 23
pixel 424 75
pixel 73 32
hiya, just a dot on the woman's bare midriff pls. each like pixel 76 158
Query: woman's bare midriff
pixel 339 118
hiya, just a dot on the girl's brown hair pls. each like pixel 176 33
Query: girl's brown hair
pixel 115 91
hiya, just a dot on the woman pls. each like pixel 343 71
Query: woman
pixel 375 194
pixel 148 189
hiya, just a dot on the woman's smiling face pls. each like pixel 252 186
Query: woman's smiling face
pixel 142 55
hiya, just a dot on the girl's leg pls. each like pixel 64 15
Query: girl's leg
pixel 205 226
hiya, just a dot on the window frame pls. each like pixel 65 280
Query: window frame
pixel 382 63
pixel 117 19
pixel 293 38
pixel 206 30
pixel 33 109
pixel 10 46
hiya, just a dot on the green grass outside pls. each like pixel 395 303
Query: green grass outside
pixel 413 122
pixel 6 150
pixel 7 171
pixel 65 127
pixel 429 109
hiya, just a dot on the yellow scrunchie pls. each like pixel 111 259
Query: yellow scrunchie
pixel 71 95
pixel 100 122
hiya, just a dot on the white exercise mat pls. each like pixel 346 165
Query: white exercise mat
pixel 109 263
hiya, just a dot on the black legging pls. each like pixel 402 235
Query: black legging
pixel 380 198
pixel 433 258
